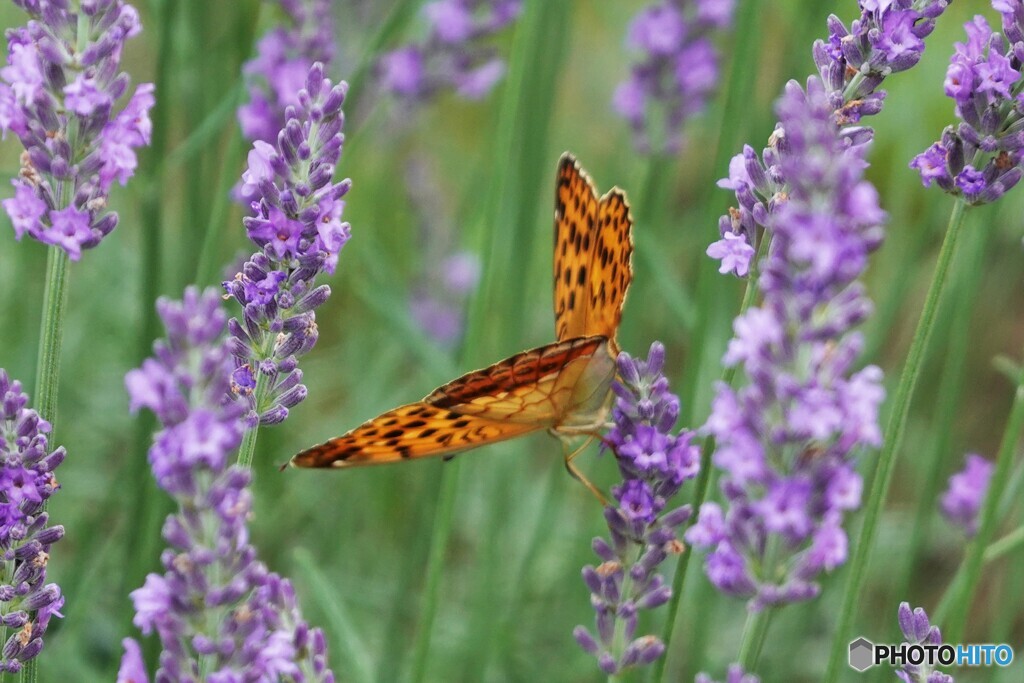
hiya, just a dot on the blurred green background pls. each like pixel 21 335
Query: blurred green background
pixel 356 543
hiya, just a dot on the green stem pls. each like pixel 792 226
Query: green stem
pixel 754 633
pixel 51 338
pixel 528 92
pixel 619 641
pixel 893 438
pixel 435 564
pixel 206 271
pixel 704 476
pixel 953 626
pixel 51 334
pixel 248 447
pixel 948 401
pixel 1006 544
pixel 662 281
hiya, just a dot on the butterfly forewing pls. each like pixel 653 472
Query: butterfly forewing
pixel 576 207
pixel 593 256
pixel 531 390
pixel 413 431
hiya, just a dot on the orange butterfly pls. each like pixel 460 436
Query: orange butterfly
pixel 562 387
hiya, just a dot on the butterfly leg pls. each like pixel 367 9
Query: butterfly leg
pixel 575 471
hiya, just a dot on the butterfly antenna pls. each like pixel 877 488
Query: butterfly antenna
pixel 577 474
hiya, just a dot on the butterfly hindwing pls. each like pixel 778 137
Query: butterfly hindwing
pixel 417 430
pixel 533 386
pixel 593 255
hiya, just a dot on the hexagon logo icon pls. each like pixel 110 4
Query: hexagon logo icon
pixel 861 654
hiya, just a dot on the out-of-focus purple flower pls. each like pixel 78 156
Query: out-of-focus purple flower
pixel 438 305
pixel 654 463
pixel 27 602
pixel 278 71
pixel 980 158
pixel 296 223
pixel 962 501
pixel 786 440
pixel 677 72
pixel 449 276
pixel 57 94
pixel 216 608
pixel 453 57
pixel 133 668
pixel 853 63
pixel 734 674
pixel 917 630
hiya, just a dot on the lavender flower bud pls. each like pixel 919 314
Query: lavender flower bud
pixel 917 630
pixel 28 602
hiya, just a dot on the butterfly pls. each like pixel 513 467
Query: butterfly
pixel 562 387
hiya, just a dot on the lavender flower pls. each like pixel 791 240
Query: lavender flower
pixel 917 630
pixel 452 56
pixel 887 38
pixel 27 602
pixel 216 608
pixel 278 72
pixel 980 159
pixel 787 438
pixel 678 72
pixel 962 501
pixel 57 94
pixel 296 223
pixel 654 464
pixel 733 675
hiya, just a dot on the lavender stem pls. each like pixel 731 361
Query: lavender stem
pixel 754 631
pixel 893 438
pixel 1006 544
pixel 974 560
pixel 248 447
pixel 51 333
